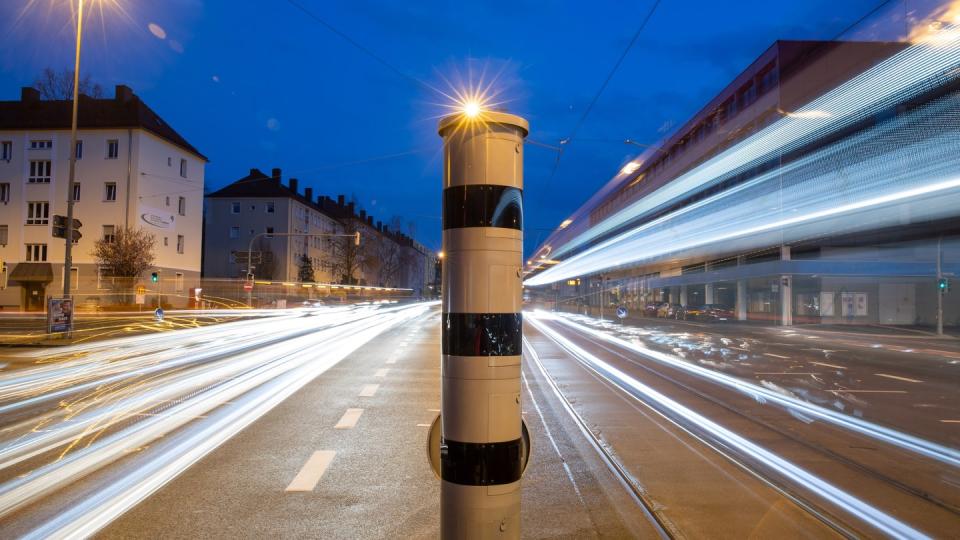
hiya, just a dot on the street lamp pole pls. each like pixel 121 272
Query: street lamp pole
pixel 68 251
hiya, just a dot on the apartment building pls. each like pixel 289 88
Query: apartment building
pixel 132 170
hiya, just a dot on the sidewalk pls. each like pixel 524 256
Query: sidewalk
pixel 370 474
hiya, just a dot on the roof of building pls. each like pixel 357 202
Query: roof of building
pixel 124 110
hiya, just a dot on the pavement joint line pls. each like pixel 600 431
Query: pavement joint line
pixel 311 472
pixel 827 365
pixel 349 419
pixel 382 372
pixel 776 355
pixel 369 390
pixel 897 377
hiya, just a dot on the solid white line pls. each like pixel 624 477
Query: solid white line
pixel 897 377
pixel 951 421
pixel 312 470
pixel 827 365
pixel 349 419
pixel 382 372
pixel 369 390
pixel 776 355
pixel 423 425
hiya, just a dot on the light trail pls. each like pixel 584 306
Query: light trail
pixel 943 454
pixel 205 400
pixel 876 518
pixel 906 75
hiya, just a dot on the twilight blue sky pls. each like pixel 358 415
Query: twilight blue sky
pixel 258 84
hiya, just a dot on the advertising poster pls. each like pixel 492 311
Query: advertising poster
pixel 59 315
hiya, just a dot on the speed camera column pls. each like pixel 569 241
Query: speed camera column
pixel 482 450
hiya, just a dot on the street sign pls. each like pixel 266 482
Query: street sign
pixel 240 257
pixel 248 285
pixel 141 299
pixel 59 315
pixel 621 312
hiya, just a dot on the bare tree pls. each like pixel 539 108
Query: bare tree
pixel 305 273
pixel 54 85
pixel 346 258
pixel 266 264
pixel 127 254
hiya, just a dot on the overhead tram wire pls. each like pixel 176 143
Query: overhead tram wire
pixel 596 97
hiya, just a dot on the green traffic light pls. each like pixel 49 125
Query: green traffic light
pixel 153 277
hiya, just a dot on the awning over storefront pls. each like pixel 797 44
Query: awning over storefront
pixel 31 273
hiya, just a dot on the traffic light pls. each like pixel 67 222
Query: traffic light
pixel 60 228
pixel 943 285
pixel 155 277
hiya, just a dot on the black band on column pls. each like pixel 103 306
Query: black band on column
pixel 482 334
pixel 482 205
pixel 481 464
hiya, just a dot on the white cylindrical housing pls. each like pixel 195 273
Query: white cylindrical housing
pixel 480 453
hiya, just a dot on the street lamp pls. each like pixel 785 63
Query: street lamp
pixel 68 236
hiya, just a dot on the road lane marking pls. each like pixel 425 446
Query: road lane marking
pixel 739 349
pixel 951 421
pixel 369 390
pixel 392 360
pixel 382 372
pixel 423 425
pixel 828 365
pixel 433 410
pixel 897 377
pixel 349 419
pixel 312 470
pixel 776 355
pixel 783 373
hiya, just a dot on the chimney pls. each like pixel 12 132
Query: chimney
pixel 370 221
pixel 275 175
pixel 380 226
pixel 308 194
pixel 122 93
pixel 255 172
pixel 29 94
pixel 294 184
pixel 322 200
pixel 340 200
pixel 363 214
pixel 350 209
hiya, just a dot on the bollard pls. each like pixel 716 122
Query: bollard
pixel 483 448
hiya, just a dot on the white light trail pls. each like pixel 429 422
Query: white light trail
pixel 876 518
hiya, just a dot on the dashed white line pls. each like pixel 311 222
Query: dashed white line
pixel 776 355
pixel 312 470
pixel 897 377
pixel 392 360
pixel 423 425
pixel 349 419
pixel 951 421
pixel 382 372
pixel 369 390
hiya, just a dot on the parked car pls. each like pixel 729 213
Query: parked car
pixel 671 311
pixel 710 312
pixel 650 309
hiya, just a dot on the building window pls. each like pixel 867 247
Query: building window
pixel 166 241
pixel 269 207
pixel 4 232
pixel 39 172
pixel 269 230
pixel 110 191
pixel 79 150
pixel 109 234
pixel 253 207
pixel 234 232
pixel 235 208
pixel 36 253
pixel 182 206
pixel 169 162
pixel 5 192
pixel 179 243
pixel 38 213
pixel 76 191
pixel 7 151
pixel 113 149
pixel 41 145
pixel 178 282
pixel 168 200
pixel 183 168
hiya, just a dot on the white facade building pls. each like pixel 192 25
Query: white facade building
pixel 132 170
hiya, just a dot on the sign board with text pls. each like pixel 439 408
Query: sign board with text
pixel 59 315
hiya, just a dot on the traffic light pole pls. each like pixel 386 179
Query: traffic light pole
pixel 355 236
pixel 482 448
pixel 68 237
